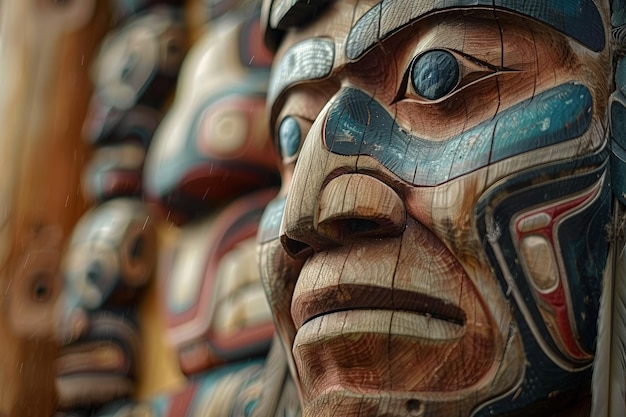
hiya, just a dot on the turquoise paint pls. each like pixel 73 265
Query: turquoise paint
pixel 358 125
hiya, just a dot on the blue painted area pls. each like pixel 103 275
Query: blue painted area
pixel 311 59
pixel 618 121
pixel 249 408
pixel 359 125
pixel 578 19
pixel 209 380
pixel 289 137
pixel 435 74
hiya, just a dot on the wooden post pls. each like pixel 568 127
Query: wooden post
pixel 43 94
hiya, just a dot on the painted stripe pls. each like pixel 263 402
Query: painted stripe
pixel 554 116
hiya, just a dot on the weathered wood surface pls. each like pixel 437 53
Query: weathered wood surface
pixel 442 246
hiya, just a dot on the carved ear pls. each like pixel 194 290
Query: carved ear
pixel 69 15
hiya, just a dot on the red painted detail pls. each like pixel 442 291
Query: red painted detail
pixel 557 299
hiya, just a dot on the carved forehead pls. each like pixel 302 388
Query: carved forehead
pixel 578 19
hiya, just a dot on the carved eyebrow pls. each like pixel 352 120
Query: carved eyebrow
pixel 311 59
pixel 579 19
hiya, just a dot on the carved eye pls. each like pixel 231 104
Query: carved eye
pixel 289 137
pixel 136 248
pixel 435 74
pixel 127 68
pixel 291 133
pixel 41 291
pixel 439 73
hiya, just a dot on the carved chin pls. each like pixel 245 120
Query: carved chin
pixel 394 316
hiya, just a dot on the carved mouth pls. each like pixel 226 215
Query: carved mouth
pixel 345 297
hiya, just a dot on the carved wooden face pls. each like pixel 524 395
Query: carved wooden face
pixel 112 253
pixel 215 306
pixel 137 65
pixel 445 219
pixel 214 143
pixel 212 167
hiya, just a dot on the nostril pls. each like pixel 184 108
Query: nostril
pixel 296 248
pixel 357 205
pixel 360 226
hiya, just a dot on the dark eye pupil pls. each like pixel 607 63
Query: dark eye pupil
pixel 289 136
pixel 435 74
pixel 136 249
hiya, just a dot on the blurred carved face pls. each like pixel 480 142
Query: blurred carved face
pixel 442 235
pixel 212 157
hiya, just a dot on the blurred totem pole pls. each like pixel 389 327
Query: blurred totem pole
pixel 113 249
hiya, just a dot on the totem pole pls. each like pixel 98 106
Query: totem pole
pixel 43 94
pixel 441 246
pixel 212 169
pixel 112 252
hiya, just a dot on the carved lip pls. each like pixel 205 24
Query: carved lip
pixel 344 297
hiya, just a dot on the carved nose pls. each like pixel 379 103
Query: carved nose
pixel 356 206
pixel 351 206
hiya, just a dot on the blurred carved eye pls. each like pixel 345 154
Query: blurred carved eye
pixel 40 290
pixel 136 248
pixel 130 63
pixel 94 273
pixel 435 74
pixel 438 73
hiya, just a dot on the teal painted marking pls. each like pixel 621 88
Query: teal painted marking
pixel 289 137
pixel 358 125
